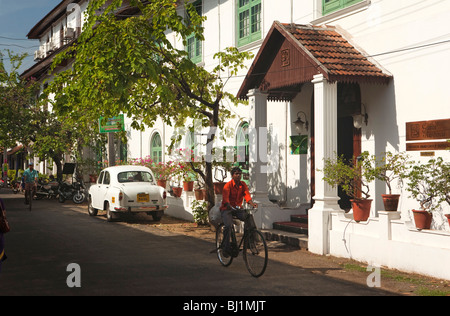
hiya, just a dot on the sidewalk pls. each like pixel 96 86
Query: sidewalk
pixel 340 268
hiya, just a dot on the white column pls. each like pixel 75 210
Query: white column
pixel 325 141
pixel 258 142
pixel 258 152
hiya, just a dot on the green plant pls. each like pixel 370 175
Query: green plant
pixel 353 176
pixel 200 212
pixel 429 183
pixel 390 167
pixel 12 174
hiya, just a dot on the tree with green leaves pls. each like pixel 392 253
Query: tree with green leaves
pixel 128 65
pixel 26 120
pixel 17 100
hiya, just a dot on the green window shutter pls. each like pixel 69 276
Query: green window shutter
pixel 329 6
pixel 194 46
pixel 249 21
pixel 156 148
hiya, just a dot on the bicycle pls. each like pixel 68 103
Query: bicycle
pixel 252 244
pixel 29 197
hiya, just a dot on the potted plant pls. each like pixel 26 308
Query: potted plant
pixel 220 175
pixel 388 168
pixel 199 191
pixel 162 171
pixel 354 178
pixel 177 175
pixel 426 185
pixel 200 212
pixel 189 178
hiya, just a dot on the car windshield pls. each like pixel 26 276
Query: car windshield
pixel 134 176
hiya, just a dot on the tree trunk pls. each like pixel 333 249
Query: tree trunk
pixel 59 167
pixel 210 195
pixel 209 186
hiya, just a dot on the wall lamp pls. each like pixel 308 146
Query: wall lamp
pixel 359 118
pixel 299 123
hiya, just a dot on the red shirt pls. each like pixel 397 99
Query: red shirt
pixel 234 194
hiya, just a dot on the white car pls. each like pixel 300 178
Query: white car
pixel 127 189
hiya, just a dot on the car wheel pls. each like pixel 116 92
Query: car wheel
pixel 91 210
pixel 109 215
pixel 156 217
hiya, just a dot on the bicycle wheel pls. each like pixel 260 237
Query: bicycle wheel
pixel 255 253
pixel 219 238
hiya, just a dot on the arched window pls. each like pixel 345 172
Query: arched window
pixel 189 141
pixel 156 148
pixel 242 147
pixel 242 151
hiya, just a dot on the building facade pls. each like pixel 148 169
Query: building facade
pixel 328 76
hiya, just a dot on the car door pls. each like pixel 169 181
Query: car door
pixel 95 192
pixel 103 189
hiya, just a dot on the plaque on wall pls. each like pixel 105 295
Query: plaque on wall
pixel 427 146
pixel 428 130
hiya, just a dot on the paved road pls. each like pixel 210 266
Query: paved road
pixel 119 259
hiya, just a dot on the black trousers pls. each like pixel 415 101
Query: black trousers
pixel 227 216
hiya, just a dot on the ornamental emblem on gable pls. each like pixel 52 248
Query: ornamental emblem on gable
pixel 285 58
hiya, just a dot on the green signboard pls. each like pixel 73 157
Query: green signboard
pixel 299 144
pixel 111 125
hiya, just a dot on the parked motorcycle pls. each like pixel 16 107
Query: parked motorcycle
pixel 46 190
pixel 74 191
pixel 15 186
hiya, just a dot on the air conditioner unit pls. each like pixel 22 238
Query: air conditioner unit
pixel 38 55
pixel 69 33
pixel 51 47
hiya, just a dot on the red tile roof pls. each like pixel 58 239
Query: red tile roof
pixel 334 52
pixel 312 50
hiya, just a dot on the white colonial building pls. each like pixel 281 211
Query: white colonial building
pixel 353 73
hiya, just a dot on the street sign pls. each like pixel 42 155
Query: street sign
pixel 111 125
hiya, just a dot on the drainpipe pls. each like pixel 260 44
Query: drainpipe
pixel 292 11
pixel 286 152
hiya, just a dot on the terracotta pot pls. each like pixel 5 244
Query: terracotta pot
pixel 390 202
pixel 361 210
pixel 188 185
pixel 162 183
pixel 218 187
pixel 448 218
pixel 177 191
pixel 199 194
pixel 422 219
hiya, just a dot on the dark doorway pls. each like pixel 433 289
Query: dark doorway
pixel 349 138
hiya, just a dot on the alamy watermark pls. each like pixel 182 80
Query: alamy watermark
pixel 374 279
pixel 262 147
pixel 74 278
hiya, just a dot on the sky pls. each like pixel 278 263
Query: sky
pixel 17 18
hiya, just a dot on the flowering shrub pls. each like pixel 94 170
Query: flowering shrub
pixel 162 171
pixel 185 160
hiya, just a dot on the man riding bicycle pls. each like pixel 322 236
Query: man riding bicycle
pixel 30 177
pixel 233 195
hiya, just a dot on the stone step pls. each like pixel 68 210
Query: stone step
pixel 292 227
pixel 291 239
pixel 299 218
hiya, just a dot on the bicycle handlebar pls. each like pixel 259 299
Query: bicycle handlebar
pixel 253 209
